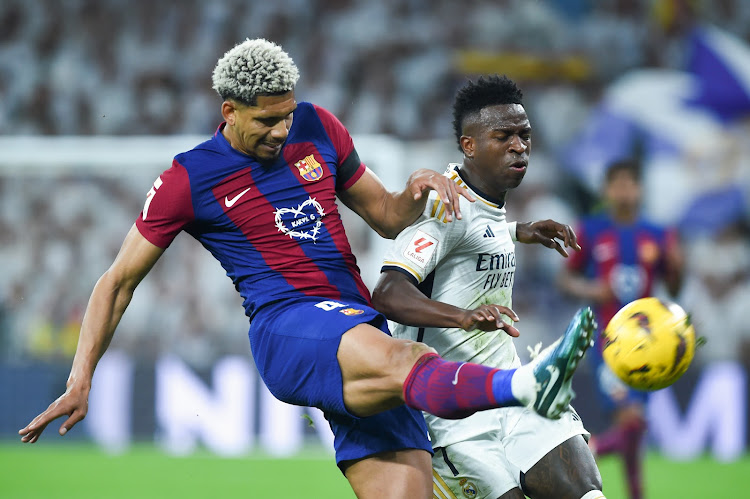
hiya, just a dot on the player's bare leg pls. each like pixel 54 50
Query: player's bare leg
pixel 403 474
pixel 380 372
pixel 567 472
pixel 374 367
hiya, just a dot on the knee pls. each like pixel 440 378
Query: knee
pixel 594 482
pixel 569 470
pixel 409 352
pixel 590 480
pixel 404 354
pixel 565 485
pixel 597 481
pixel 594 494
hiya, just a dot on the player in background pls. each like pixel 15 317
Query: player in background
pixel 450 286
pixel 261 197
pixel 623 256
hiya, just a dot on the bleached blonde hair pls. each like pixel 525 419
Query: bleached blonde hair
pixel 252 68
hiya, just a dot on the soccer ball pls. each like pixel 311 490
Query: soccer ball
pixel 649 343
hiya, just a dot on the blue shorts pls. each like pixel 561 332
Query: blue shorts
pixel 294 345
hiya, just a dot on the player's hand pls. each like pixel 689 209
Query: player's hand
pixel 489 318
pixel 422 181
pixel 547 233
pixel 73 403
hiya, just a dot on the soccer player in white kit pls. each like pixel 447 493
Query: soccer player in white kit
pixel 449 285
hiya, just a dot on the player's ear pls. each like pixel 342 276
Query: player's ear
pixel 467 144
pixel 228 110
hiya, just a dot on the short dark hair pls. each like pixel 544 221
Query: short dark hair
pixel 629 166
pixel 474 96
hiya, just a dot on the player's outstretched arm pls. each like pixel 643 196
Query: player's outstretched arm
pixel 399 299
pixel 108 302
pixel 547 233
pixel 579 286
pixel 388 213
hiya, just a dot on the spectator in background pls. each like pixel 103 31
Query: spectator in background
pixel 623 255
pixel 86 57
pixel 717 292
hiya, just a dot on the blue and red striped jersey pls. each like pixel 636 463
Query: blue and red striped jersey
pixel 629 257
pixel 275 228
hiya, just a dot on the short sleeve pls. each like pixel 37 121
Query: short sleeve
pixel 421 247
pixel 512 231
pixel 168 207
pixel 350 167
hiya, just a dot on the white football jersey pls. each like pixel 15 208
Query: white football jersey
pixel 466 263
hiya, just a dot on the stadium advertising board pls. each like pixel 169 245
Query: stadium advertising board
pixel 228 410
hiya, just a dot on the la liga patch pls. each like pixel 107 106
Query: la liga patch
pixel 420 249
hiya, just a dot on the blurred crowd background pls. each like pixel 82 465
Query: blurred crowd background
pixel 663 81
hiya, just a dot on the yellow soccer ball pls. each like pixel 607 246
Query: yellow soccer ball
pixel 649 343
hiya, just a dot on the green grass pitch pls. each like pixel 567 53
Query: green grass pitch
pixel 62 471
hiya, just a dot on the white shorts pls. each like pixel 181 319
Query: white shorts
pixel 490 464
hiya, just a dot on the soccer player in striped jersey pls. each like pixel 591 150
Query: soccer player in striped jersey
pixel 260 195
pixel 450 286
pixel 623 256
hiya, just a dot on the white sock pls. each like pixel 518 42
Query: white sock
pixel 594 494
pixel 522 385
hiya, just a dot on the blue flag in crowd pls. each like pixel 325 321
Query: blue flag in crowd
pixel 721 63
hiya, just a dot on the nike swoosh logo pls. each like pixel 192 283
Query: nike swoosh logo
pixel 230 202
pixel 554 373
pixel 455 378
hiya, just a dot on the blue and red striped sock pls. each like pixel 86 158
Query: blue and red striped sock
pixel 455 390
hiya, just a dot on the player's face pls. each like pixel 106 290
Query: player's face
pixel 261 130
pixel 623 192
pixel 497 144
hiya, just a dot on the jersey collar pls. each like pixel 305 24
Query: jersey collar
pixel 488 200
pixel 224 143
pixel 220 128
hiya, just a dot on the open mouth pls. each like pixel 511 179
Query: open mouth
pixel 519 166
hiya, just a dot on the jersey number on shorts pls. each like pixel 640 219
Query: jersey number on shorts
pixel 329 305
